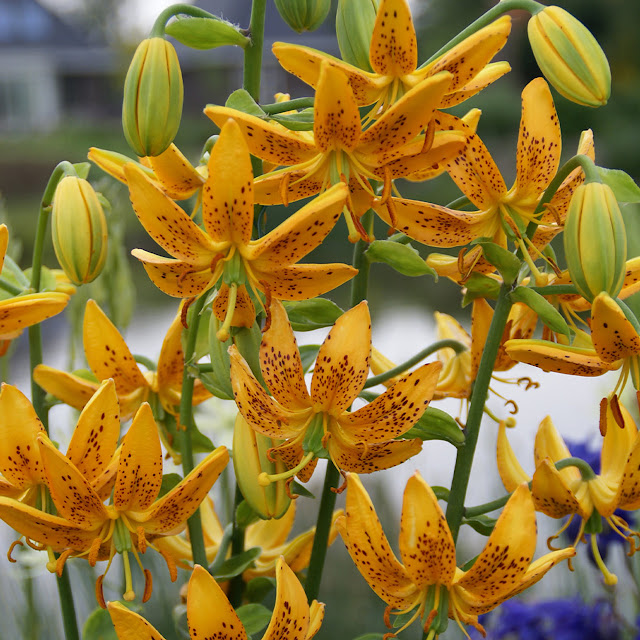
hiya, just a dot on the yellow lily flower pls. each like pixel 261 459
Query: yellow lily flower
pixel 319 424
pixel 86 527
pixel 567 491
pixel 428 580
pixel 170 171
pixel 133 385
pixel 210 614
pixel 340 151
pixel 92 447
pixel 499 208
pixel 270 535
pixel 393 54
pixel 22 311
pixel 224 250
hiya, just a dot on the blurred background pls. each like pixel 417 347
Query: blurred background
pixel 61 78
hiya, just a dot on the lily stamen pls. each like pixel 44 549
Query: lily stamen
pixel 264 479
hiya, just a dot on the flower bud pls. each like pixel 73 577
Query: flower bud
pixel 570 57
pixel 355 20
pixel 303 15
pixel 79 230
pixel 595 241
pixel 250 460
pixel 153 93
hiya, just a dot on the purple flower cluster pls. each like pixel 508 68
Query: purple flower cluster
pixel 561 619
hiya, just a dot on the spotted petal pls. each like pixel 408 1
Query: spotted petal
pixel 491 72
pixel 280 362
pixel 169 514
pixel 342 364
pixel 95 437
pixel 107 352
pixel 75 499
pixel 552 496
pixel 209 613
pixel 4 243
pixel 20 461
pixel 617 445
pixel 427 548
pixel 175 173
pixel 511 473
pixel 396 410
pixel 171 360
pixel 25 311
pixel 394 48
pixel 140 468
pixel 508 552
pixel 71 389
pixel 549 444
pixel 614 337
pixel 130 625
pixel 369 548
pixel 628 495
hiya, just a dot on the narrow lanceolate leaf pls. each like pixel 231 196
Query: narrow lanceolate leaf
pixel 543 308
pixel 401 257
pixel 140 468
pixel 621 183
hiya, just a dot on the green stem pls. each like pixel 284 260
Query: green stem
pixel 485 19
pixel 585 469
pixel 458 203
pixel 186 422
pixel 465 454
pixel 323 527
pixel 360 282
pixel 11 288
pixel 236 585
pixel 458 347
pixel 288 105
pixel 252 70
pixel 69 621
pixel 157 31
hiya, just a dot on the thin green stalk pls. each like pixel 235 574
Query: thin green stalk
pixel 252 71
pixel 236 585
pixel 323 527
pixel 288 105
pixel 9 287
pixel 485 19
pixel 360 282
pixel 186 421
pixel 465 454
pixel 157 30
pixel 69 621
pixel 458 347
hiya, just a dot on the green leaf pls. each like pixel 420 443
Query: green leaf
pixel 169 481
pixel 479 285
pixel 371 636
pixel 442 493
pixel 237 565
pixel 308 354
pixel 297 489
pixel 435 424
pixel 401 257
pixel 507 263
pixel 254 617
pixel 99 626
pixel 483 524
pixel 259 588
pixel 199 442
pixel 621 183
pixel 543 308
pixel 317 313
pixel 82 169
pixel 212 385
pixel 206 33
pixel 246 515
pixel 180 622
pixel 299 121
pixel 241 100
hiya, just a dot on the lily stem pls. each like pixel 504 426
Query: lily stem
pixel 360 282
pixel 323 527
pixel 236 585
pixel 186 422
pixel 69 621
pixel 465 454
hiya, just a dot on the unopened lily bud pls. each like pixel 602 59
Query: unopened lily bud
pixel 595 241
pixel 79 230
pixel 570 57
pixel 303 15
pixel 355 20
pixel 250 461
pixel 153 93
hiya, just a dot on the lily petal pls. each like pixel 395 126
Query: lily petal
pixel 25 311
pixel 549 444
pixel 175 173
pixel 511 473
pixel 130 625
pixel 171 360
pixel 629 490
pixel 617 444
pixel 73 495
pixel 426 546
pixel 396 410
pixel 342 364
pixel 551 495
pixel 107 352
pixel 614 337
pixel 369 548
pixel 491 72
pixel 209 613
pixel 139 474
pixel 95 437
pixel 72 390
pixel 280 362
pixel 394 49
pixel 508 552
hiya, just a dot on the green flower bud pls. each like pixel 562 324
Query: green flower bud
pixel 250 461
pixel 79 230
pixel 570 57
pixel 303 15
pixel 153 92
pixel 595 241
pixel 355 20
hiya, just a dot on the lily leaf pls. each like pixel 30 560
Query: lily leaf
pixel 308 354
pixel 483 524
pixel 436 424
pixel 236 565
pixel 401 257
pixel 259 588
pixel 241 100
pixel 317 313
pixel 254 617
pixel 503 260
pixel 299 121
pixel 621 183
pixel 543 308
pixel 206 33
